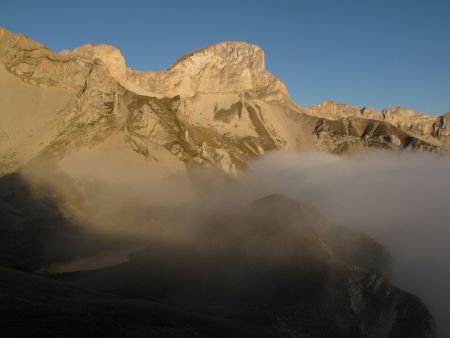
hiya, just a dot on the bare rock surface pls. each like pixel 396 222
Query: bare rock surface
pixel 216 107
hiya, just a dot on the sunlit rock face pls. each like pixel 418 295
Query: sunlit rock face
pixel 227 67
pixel 431 129
pixel 216 107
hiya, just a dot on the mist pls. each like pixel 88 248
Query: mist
pixel 399 199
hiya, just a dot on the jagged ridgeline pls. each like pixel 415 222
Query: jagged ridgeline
pixel 217 107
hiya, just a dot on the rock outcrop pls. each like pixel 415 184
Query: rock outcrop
pixel 431 129
pixel 227 67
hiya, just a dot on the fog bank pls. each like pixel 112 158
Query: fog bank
pixel 401 200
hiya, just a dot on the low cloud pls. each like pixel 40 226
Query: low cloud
pixel 400 199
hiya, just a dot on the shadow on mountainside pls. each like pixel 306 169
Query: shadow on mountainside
pixel 34 231
pixel 274 268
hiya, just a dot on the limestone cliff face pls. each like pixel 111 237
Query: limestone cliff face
pixel 227 67
pixel 432 129
pixel 112 57
pixel 217 107
pixel 37 65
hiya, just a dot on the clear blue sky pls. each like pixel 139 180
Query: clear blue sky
pixel 374 53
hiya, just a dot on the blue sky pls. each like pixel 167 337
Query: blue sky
pixel 375 53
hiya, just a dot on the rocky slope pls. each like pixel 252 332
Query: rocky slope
pixel 217 107
pixel 276 262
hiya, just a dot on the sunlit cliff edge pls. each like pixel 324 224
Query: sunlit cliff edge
pixel 216 107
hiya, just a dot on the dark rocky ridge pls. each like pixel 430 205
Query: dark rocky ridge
pixel 274 268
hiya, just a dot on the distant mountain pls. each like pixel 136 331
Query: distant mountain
pixel 217 107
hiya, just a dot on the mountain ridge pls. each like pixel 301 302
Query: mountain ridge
pixel 217 106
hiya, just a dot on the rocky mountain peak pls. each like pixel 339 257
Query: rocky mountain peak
pixel 225 67
pixel 224 54
pixel 111 56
